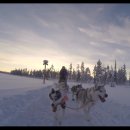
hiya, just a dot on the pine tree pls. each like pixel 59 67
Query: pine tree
pixel 99 68
pixel 115 74
pixel 124 73
pixel 82 67
pixel 88 73
pixel 77 67
pixel 74 74
pixel 94 74
pixel 99 72
pixel 45 63
pixel 70 68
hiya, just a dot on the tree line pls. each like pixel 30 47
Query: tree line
pixel 110 74
pixel 107 75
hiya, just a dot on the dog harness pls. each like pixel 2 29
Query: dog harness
pixel 62 103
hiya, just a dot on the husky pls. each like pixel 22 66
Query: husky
pixel 58 95
pixel 75 90
pixel 88 97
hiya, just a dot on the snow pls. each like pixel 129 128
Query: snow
pixel 25 102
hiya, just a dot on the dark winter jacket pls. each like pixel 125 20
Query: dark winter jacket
pixel 63 75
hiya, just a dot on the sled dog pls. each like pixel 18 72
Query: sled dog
pixel 58 95
pixel 89 96
pixel 75 90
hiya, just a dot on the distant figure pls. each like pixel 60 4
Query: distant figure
pixel 63 75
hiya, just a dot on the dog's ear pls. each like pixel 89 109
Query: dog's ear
pixel 97 87
pixel 80 85
pixel 52 90
pixel 50 94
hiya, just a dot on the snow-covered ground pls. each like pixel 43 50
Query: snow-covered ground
pixel 25 102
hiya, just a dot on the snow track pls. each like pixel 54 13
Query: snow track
pixel 33 108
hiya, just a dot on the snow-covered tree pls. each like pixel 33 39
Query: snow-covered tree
pixel 124 73
pixel 82 67
pixel 94 74
pixel 115 74
pixel 98 76
pixel 70 71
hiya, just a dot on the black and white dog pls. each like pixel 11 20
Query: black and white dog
pixel 56 96
pixel 59 98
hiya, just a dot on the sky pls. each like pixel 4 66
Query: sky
pixel 64 34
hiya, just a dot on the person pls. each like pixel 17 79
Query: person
pixel 62 87
pixel 63 75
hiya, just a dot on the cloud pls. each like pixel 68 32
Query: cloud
pixel 65 34
pixel 109 42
